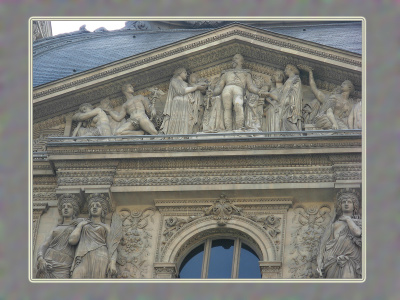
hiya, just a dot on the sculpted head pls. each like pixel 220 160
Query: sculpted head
pixel 291 69
pixel 193 78
pixel 278 76
pixel 68 206
pixel 127 88
pixel 180 72
pixel 85 107
pixel 347 86
pixel 237 60
pixel 98 206
pixel 348 202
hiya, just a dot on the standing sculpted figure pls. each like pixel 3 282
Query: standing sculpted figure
pixel 179 112
pixel 96 120
pixel 96 254
pixel 136 107
pixel 340 249
pixel 291 101
pixel 335 108
pixel 231 87
pixel 274 110
pixel 55 255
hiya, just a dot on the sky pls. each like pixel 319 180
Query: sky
pixel 59 27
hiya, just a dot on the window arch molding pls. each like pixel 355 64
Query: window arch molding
pixel 191 235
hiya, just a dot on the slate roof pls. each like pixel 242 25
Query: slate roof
pixel 69 54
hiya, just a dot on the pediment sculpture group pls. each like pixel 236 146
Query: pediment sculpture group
pixel 88 247
pixel 234 102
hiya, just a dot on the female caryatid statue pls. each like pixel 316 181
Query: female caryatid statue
pixel 55 255
pixel 97 242
pixel 291 101
pixel 340 249
pixel 179 115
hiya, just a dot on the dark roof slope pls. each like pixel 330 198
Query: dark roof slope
pixel 69 54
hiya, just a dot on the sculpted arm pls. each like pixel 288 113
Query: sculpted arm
pixel 250 85
pixel 331 117
pixel 41 262
pixel 84 116
pixel 354 228
pixel 324 239
pixel 118 116
pixel 150 109
pixel 76 234
pixel 318 94
pixel 219 86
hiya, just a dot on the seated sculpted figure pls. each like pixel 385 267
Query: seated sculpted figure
pixel 136 107
pixel 95 119
pixel 340 248
pixel 335 108
pixel 55 255
pixel 96 253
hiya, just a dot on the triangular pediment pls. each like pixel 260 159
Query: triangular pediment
pixel 208 54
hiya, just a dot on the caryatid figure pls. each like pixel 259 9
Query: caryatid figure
pixel 232 86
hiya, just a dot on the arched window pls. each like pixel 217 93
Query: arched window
pixel 221 258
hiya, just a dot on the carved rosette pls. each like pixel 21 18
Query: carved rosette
pixel 136 240
pixel 309 224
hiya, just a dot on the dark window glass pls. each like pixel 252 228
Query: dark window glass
pixel 191 265
pixel 248 264
pixel 221 259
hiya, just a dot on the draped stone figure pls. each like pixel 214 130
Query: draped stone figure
pixel 55 255
pixel 213 118
pixel 340 248
pixel 253 112
pixel 231 87
pixel 91 121
pixel 198 103
pixel 179 115
pixel 355 116
pixel 97 242
pixel 291 101
pixel 335 108
pixel 273 110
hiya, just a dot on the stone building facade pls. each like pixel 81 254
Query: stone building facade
pixel 270 193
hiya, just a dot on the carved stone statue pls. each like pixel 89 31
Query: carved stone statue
pixel 178 111
pixel 198 103
pixel 340 249
pixel 136 107
pixel 97 242
pixel 291 101
pixel 335 108
pixel 355 117
pixel 253 112
pixel 213 118
pixel 231 87
pixel 92 121
pixel 273 110
pixel 55 255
